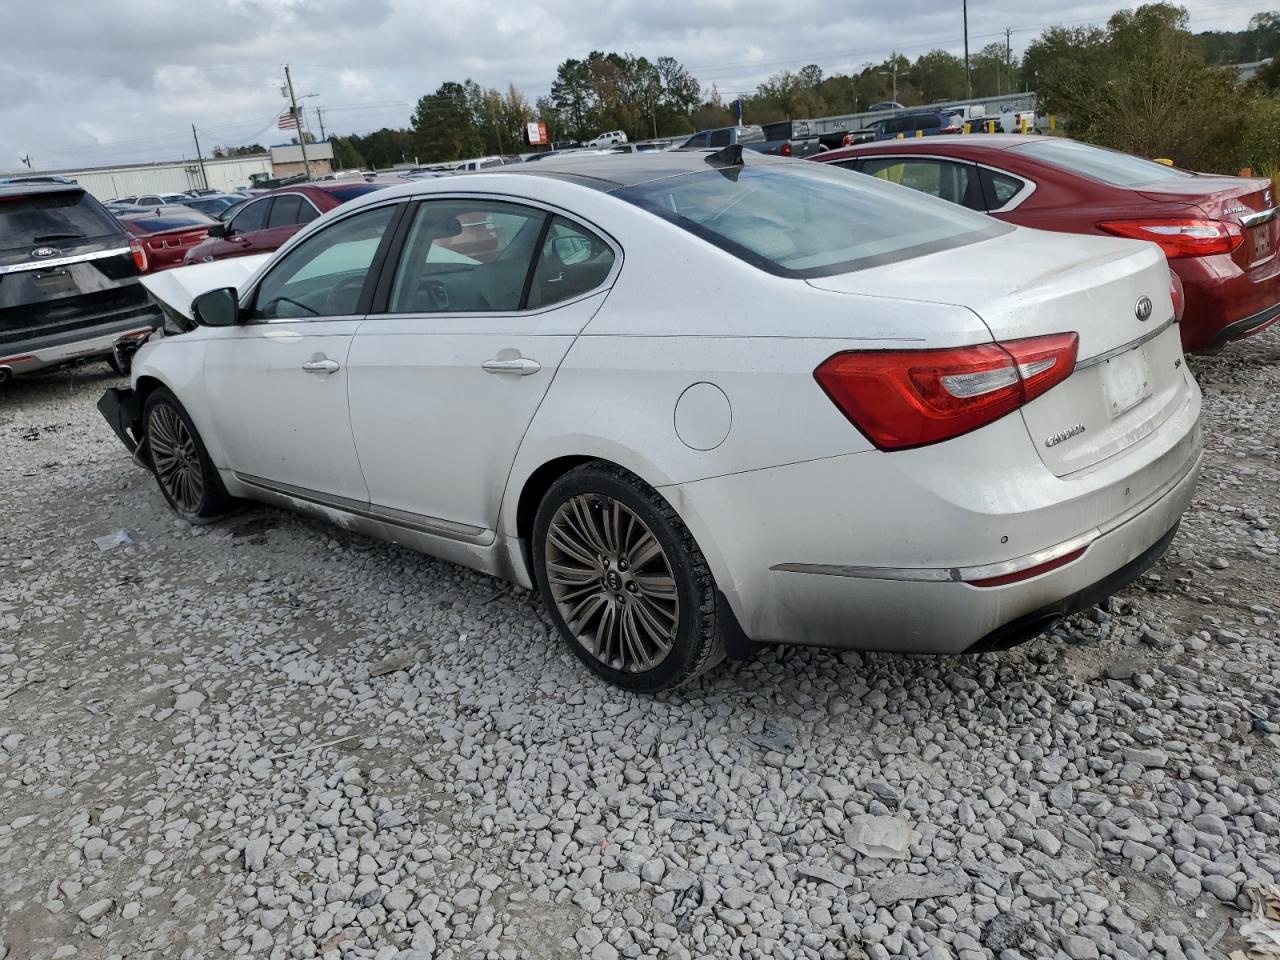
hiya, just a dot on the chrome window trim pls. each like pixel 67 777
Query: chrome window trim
pixel 609 280
pixel 1029 186
pixel 63 261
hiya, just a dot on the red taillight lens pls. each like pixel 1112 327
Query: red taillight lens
pixel 139 255
pixel 1176 295
pixel 949 130
pixel 847 141
pixel 1187 237
pixel 786 150
pixel 909 398
pixel 1029 572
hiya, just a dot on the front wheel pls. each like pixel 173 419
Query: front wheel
pixel 186 476
pixel 624 580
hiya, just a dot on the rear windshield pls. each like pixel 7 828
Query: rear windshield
pixel 1117 169
pixel 168 222
pixel 343 194
pixel 51 217
pixel 805 220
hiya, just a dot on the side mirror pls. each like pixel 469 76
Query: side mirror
pixel 219 229
pixel 216 308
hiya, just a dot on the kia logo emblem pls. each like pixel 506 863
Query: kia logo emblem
pixel 43 253
pixel 1142 309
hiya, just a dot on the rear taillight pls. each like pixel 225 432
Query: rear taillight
pixel 139 255
pixel 847 141
pixel 949 130
pixel 786 150
pixel 1176 295
pixel 909 398
pixel 1183 237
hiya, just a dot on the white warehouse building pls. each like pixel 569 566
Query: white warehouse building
pixel 172 177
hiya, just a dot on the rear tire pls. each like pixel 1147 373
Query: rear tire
pixel 624 581
pixel 185 474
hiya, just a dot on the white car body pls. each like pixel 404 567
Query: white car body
pixel 608 139
pixel 695 371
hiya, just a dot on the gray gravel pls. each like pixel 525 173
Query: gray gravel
pixel 270 738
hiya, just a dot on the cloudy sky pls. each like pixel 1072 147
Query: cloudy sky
pixel 88 82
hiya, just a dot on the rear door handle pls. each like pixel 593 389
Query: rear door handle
pixel 521 366
pixel 325 366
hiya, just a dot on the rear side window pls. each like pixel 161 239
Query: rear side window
pixel 778 131
pixel 944 179
pixel 284 212
pixel 931 122
pixel 720 138
pixel 1117 169
pixel 1002 187
pixel 573 261
pixel 805 221
pixel 51 217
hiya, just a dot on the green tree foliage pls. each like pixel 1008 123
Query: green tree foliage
pixel 619 91
pixel 444 124
pixel 1140 85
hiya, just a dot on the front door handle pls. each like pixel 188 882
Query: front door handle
pixel 521 366
pixel 325 366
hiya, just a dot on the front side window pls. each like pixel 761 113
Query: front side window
pixel 323 275
pixel 944 179
pixel 720 138
pixel 466 256
pixel 1109 166
pixel 698 140
pixel 803 221
pixel 251 218
pixel 573 261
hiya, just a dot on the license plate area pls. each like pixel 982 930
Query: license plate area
pixel 1260 238
pixel 1126 381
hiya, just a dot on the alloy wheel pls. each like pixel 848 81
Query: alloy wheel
pixel 176 458
pixel 612 583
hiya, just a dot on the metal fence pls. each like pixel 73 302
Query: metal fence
pixel 992 107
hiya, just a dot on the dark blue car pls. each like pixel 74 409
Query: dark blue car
pixel 925 122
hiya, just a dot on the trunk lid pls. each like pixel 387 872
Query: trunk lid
pixel 1129 375
pixel 1228 198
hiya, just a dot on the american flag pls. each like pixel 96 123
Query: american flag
pixel 287 121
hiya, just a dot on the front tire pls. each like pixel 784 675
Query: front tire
pixel 185 474
pixel 624 581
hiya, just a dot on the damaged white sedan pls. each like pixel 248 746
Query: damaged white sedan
pixel 697 401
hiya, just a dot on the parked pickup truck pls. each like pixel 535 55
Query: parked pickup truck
pixel 801 138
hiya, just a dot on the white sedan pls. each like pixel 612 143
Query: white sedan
pixel 699 401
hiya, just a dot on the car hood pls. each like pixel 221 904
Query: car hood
pixel 175 289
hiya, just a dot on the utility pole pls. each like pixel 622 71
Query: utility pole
pixel 968 83
pixel 320 119
pixel 302 140
pixel 200 157
pixel 1008 56
pixel 26 160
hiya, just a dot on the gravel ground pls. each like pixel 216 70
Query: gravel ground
pixel 271 738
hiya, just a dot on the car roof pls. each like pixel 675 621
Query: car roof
pixel 613 171
pixel 28 189
pixel 938 144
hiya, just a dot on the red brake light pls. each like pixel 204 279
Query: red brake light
pixel 847 141
pixel 1182 237
pixel 1176 294
pixel 139 255
pixel 786 150
pixel 910 398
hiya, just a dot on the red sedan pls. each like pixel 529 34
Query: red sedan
pixel 266 222
pixel 1220 234
pixel 162 235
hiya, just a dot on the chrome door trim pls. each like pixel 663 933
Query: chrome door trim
pixel 389 515
pixel 1125 347
pixel 63 261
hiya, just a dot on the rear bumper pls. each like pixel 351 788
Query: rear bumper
pixel 1224 302
pixel 1245 327
pixel 88 343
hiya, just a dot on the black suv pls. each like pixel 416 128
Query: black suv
pixel 69 285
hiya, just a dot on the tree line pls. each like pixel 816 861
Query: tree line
pixel 1142 82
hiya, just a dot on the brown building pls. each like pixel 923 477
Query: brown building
pixel 287 161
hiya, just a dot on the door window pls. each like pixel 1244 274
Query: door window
pixel 573 261
pixel 466 256
pixel 720 138
pixel 285 211
pixel 956 182
pixel 698 140
pixel 251 218
pixel 324 275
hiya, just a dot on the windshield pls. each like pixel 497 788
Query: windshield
pixel 174 221
pixel 46 218
pixel 805 220
pixel 1117 169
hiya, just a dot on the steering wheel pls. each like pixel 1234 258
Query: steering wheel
pixel 344 296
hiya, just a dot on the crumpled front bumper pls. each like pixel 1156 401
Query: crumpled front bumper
pixel 122 409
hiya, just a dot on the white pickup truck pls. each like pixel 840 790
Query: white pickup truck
pixel 1008 121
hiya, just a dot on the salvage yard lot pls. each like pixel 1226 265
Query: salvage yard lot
pixel 196 755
